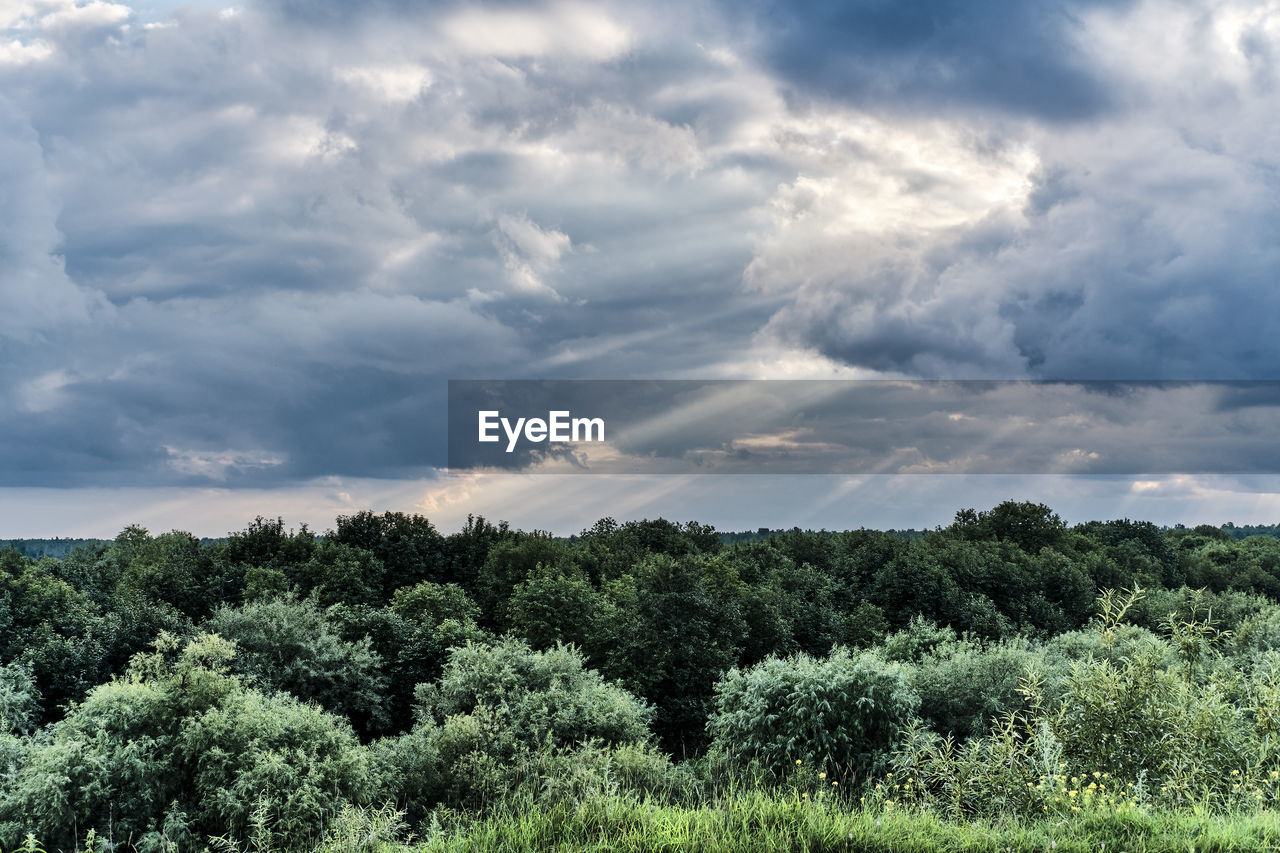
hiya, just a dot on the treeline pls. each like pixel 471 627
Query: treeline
pixel 1246 530
pixel 59 547
pixel 165 688
pixel 56 548
pixel 739 536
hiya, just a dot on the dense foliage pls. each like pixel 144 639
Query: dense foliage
pixel 282 686
pixel 840 712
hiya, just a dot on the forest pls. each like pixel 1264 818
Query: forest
pixel 1005 682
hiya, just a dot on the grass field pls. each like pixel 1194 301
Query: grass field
pixel 763 822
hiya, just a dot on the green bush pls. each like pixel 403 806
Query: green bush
pixel 841 713
pixel 918 639
pixel 1141 719
pixel 497 714
pixel 180 734
pixel 1255 634
pixel 544 696
pixel 19 700
pixel 1004 773
pixel 1226 610
pixel 290 645
pixel 966 684
pixel 1133 719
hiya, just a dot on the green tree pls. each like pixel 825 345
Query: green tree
pixel 676 633
pixel 409 547
pixel 554 605
pixel 1030 526
pixel 338 573
pixel 171 568
pixel 509 563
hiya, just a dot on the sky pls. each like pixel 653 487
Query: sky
pixel 244 247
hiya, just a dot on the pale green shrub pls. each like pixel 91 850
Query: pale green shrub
pixel 502 715
pixel 542 696
pixel 180 742
pixel 842 713
pixel 964 685
pixel 291 645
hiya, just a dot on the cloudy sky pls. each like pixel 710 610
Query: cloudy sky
pixel 243 248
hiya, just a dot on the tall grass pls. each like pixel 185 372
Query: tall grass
pixel 762 821
pixel 769 822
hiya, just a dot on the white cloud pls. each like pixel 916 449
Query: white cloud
pixel 529 253
pixel 562 30
pixel 15 52
pixel 394 83
pixel 74 15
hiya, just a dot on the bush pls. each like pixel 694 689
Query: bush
pixel 544 697
pixel 180 735
pixel 841 713
pixel 498 714
pixel 1226 610
pixel 1139 718
pixel 19 700
pixel 915 641
pixel 966 684
pixel 290 645
pixel 1256 634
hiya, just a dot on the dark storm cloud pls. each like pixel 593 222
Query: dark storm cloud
pixel 1142 244
pixel 289 388
pixel 249 247
pixel 1024 58
pixel 246 251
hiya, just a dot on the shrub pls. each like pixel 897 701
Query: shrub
pixel 966 684
pixel 546 696
pixel 915 641
pixel 179 734
pixel 290 645
pixel 1226 610
pixel 19 700
pixel 1255 634
pixel 1140 718
pixel 499 713
pixel 842 713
